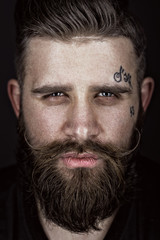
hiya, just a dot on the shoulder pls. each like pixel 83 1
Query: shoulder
pixel 148 177
pixel 148 192
pixel 8 182
pixel 148 171
pixel 8 177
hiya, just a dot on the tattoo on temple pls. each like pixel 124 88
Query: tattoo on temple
pixel 132 111
pixel 122 76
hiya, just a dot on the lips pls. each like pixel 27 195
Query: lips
pixel 85 160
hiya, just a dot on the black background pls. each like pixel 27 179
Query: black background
pixel 149 15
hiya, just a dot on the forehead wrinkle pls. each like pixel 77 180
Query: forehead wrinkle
pixel 31 46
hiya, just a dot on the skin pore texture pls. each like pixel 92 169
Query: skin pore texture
pixel 71 86
pixel 79 90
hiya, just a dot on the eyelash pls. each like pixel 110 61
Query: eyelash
pixel 103 94
pixel 56 94
pixel 100 94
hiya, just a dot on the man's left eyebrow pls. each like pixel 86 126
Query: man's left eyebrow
pixel 112 89
pixel 49 89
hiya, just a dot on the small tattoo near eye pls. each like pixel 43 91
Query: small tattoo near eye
pixel 132 111
pixel 122 76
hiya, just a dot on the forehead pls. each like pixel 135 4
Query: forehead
pixel 79 58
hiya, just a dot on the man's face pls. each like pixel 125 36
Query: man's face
pixel 80 106
pixel 79 110
pixel 80 90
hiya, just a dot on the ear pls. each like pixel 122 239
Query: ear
pixel 14 95
pixel 147 88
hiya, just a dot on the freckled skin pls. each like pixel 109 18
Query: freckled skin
pixel 79 113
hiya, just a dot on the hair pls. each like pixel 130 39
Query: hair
pixel 65 19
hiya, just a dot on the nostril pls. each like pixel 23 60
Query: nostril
pixel 81 122
pixel 81 131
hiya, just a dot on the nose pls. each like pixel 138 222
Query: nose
pixel 82 123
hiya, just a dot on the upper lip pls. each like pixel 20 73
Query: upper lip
pixel 79 155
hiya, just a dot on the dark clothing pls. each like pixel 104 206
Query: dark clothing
pixel 139 219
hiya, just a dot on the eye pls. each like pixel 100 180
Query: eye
pixel 57 94
pixel 55 98
pixel 106 98
pixel 54 95
pixel 105 94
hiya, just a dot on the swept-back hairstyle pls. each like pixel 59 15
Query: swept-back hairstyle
pixel 64 19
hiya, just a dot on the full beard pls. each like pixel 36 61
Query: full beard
pixel 76 199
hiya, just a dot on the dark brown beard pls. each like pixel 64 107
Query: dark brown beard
pixel 77 199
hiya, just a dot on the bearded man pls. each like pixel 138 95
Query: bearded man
pixel 80 99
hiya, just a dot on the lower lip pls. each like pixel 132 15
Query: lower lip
pixel 86 162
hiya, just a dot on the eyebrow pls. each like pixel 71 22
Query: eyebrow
pixel 49 89
pixel 65 88
pixel 112 89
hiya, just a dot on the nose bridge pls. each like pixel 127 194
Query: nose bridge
pixel 82 118
pixel 82 123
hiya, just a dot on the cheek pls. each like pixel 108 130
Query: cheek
pixel 118 125
pixel 43 125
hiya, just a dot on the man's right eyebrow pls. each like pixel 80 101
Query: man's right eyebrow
pixel 49 89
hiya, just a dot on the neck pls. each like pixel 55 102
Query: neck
pixel 54 232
